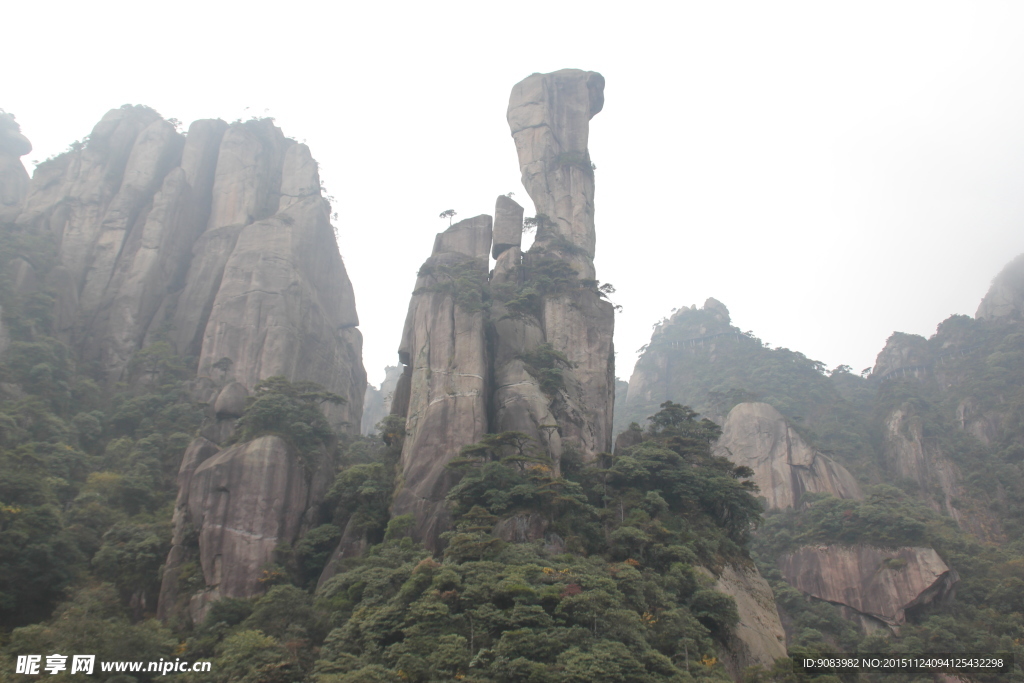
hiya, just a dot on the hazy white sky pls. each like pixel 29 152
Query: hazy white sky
pixel 831 171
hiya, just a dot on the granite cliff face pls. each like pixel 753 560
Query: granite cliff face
pixel 218 241
pixel 472 369
pixel 785 467
pixel 758 639
pixel 876 585
pixel 217 244
pixel 444 387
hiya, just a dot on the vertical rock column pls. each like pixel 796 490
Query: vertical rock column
pixel 444 388
pixel 549 115
pixel 519 404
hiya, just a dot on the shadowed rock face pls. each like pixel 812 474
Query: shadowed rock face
pixel 785 467
pixel 466 366
pixel 878 584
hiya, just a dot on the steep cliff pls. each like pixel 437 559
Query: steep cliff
pixel 785 467
pixel 549 115
pixel 216 246
pixel 529 347
pixel 218 241
pixel 879 585
pixel 758 639
pixel 444 350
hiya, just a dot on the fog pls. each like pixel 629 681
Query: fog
pixel 832 173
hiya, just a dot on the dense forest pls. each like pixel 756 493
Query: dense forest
pixel 173 487
pixel 969 370
pixel 87 492
pixel 623 593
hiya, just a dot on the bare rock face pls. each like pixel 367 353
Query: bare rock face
pixel 508 226
pixel 13 177
pixel 1005 299
pixel 220 243
pixel 472 370
pixel 219 237
pixel 878 584
pixel 785 467
pixel 549 115
pixel 758 639
pixel 444 350
pixel 910 455
pixel 244 502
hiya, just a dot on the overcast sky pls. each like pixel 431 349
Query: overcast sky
pixel 832 172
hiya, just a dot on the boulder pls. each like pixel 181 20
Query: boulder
pixel 508 225
pixel 757 436
pixel 231 400
pixel 878 584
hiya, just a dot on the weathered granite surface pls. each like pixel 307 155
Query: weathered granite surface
pixel 879 584
pixel 467 366
pixel 785 467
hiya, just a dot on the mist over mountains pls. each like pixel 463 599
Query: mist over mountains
pixel 194 465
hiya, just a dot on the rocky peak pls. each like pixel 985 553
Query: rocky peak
pixel 472 369
pixel 220 239
pixel 219 243
pixel 1005 298
pixel 549 115
pixel 377 401
pixel 903 354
